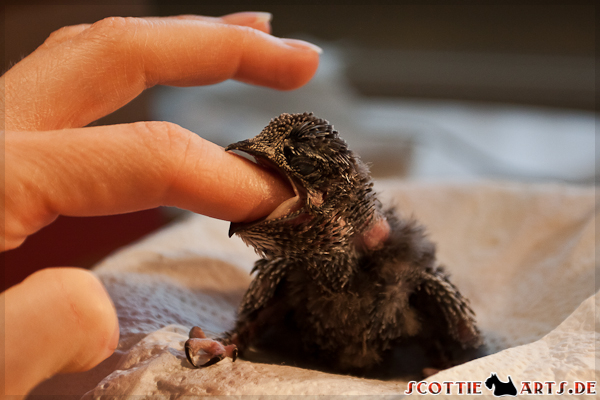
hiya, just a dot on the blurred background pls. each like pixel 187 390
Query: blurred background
pixel 442 92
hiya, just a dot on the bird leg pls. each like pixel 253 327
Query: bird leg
pixel 203 352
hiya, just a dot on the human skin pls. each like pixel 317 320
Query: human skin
pixel 61 319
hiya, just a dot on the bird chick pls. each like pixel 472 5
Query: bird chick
pixel 349 281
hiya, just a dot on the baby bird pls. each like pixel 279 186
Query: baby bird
pixel 342 281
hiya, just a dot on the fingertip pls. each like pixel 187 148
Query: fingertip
pixel 303 65
pixel 68 316
pixel 104 314
pixel 96 327
pixel 283 64
pixel 301 44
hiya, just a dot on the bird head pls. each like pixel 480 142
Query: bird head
pixel 333 190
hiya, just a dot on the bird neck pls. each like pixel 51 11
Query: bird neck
pixel 333 260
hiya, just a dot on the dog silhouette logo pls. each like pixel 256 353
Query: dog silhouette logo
pixel 501 388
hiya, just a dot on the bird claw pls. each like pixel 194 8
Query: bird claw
pixel 203 352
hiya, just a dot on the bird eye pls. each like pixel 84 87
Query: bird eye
pixel 289 154
pixel 303 167
pixel 300 163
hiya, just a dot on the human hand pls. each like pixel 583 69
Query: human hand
pixel 62 320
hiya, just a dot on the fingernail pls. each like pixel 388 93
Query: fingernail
pixel 263 17
pixel 301 44
pixel 249 18
pixel 114 340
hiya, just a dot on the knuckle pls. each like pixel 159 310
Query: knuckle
pixel 167 129
pixel 167 142
pixel 58 33
pixel 115 30
pixel 163 137
pixel 62 34
pixel 117 24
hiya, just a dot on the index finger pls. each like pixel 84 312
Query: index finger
pixel 123 168
pixel 110 63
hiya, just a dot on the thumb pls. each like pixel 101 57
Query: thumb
pixel 57 320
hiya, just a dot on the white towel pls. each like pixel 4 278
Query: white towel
pixel 523 254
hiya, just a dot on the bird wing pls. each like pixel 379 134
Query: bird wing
pixel 263 286
pixel 455 308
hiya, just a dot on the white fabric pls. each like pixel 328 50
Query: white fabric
pixel 523 254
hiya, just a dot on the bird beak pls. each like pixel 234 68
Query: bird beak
pixel 235 227
pixel 263 156
pixel 250 147
pixel 242 145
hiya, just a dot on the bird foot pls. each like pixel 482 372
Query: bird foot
pixel 203 352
